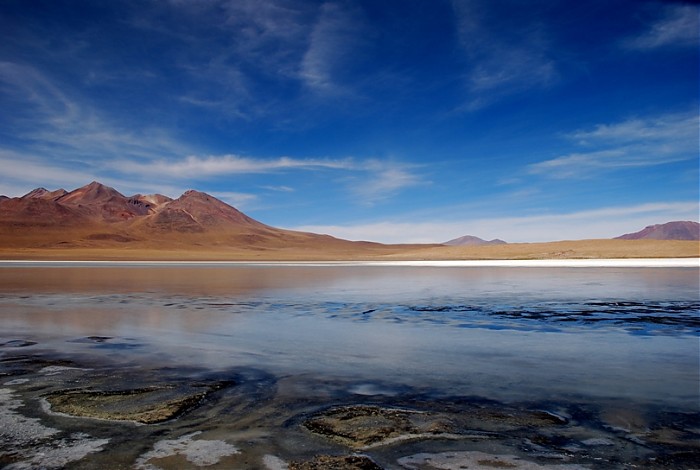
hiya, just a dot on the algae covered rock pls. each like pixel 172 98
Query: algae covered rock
pixel 332 462
pixel 142 405
pixel 364 426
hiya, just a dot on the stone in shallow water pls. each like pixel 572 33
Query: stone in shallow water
pixel 475 460
pixel 58 370
pixel 17 343
pixel 364 426
pixel 367 426
pixel 333 462
pixel 145 405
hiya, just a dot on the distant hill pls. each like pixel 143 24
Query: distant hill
pixel 469 240
pixel 679 230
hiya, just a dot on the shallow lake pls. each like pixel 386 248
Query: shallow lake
pixel 618 346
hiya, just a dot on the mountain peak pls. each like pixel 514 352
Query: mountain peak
pixel 151 201
pixel 676 230
pixel 192 193
pixel 470 240
pixel 209 211
pixel 34 193
pixel 43 193
pixel 93 192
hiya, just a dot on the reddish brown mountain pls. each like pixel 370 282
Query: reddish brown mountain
pixel 42 193
pixel 679 230
pixel 37 208
pixel 97 216
pixel 198 212
pixel 99 202
pixel 470 240
pixel 101 206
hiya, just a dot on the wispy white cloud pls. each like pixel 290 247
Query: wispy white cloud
pixel 238 200
pixel 38 97
pixel 582 164
pixel 271 35
pixel 383 179
pixel 679 27
pixel 332 43
pixel 85 147
pixel 21 173
pixel 230 50
pixel 606 222
pixel 667 127
pixel 512 69
pixel 368 181
pixel 281 189
pixel 225 48
pixel 203 167
pixel 635 142
pixel 501 64
pixel 57 124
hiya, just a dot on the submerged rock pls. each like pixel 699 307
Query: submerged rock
pixel 17 343
pixel 475 460
pixel 501 418
pixel 145 405
pixel 333 462
pixel 365 426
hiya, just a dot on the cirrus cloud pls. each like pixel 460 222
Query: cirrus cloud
pixel 679 27
pixel 202 167
pixel 638 142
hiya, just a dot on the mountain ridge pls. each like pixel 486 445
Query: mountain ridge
pixel 98 216
pixel 676 230
pixel 99 220
pixel 471 240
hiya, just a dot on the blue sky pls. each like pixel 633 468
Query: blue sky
pixel 387 120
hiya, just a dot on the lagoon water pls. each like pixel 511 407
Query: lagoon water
pixel 597 337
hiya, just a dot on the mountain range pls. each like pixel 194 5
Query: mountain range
pixel 98 217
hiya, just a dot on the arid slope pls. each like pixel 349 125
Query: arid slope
pixel 98 222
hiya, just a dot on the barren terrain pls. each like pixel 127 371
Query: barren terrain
pixel 96 222
pixel 582 249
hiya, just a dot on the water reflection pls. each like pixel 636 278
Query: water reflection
pixel 377 281
pixel 496 332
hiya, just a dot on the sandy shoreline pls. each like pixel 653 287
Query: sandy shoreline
pixel 533 263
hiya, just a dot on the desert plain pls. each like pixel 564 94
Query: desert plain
pixel 573 249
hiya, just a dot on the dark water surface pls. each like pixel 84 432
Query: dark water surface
pixel 614 350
